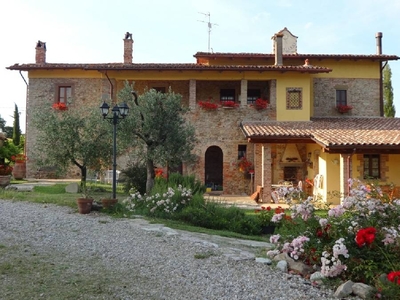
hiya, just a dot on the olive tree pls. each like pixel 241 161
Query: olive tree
pixel 76 136
pixel 156 124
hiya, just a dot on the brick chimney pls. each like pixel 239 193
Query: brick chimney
pixel 40 52
pixel 128 48
pixel 278 49
pixel 378 37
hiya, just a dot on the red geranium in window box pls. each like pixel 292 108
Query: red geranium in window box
pixel 260 104
pixel 229 104
pixel 207 105
pixel 60 106
pixel 343 108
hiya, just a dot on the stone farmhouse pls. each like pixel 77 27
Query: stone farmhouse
pixel 291 116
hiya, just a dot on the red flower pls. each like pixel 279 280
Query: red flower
pixel 394 277
pixel 260 104
pixel 365 236
pixel 279 210
pixel 60 106
pixel 207 105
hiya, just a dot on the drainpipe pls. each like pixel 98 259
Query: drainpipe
pixel 26 113
pixel 378 37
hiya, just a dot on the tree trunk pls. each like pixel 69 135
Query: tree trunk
pixel 150 175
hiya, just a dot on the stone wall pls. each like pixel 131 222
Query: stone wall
pixel 362 95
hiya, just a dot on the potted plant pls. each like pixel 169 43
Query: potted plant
pixel 108 202
pixel 245 165
pixel 19 170
pixel 5 175
pixel 341 108
pixel 86 201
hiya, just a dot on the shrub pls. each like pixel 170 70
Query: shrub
pixel 134 177
pixel 358 240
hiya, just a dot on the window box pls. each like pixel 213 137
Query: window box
pixel 343 108
pixel 260 104
pixel 207 105
pixel 229 104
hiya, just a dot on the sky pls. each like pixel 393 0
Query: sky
pixel 92 31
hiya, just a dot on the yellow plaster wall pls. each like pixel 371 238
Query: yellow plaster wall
pixel 393 173
pixel 285 81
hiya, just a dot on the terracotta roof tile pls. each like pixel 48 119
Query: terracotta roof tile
pixel 169 67
pixel 330 132
pixel 382 57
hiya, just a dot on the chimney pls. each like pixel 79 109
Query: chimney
pixel 378 37
pixel 128 48
pixel 40 52
pixel 278 49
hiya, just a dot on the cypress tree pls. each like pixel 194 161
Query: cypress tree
pixel 16 128
pixel 388 108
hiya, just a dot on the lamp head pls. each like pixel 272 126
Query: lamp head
pixel 104 109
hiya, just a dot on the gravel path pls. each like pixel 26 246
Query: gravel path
pixel 52 252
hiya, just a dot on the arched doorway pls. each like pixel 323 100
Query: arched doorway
pixel 213 168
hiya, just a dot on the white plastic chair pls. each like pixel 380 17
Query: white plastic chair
pixel 275 197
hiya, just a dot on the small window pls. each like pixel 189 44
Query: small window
pixel 64 94
pixel 253 95
pixel 371 166
pixel 341 97
pixel 227 95
pixel 294 98
pixel 242 151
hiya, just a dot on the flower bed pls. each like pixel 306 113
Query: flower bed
pixel 358 240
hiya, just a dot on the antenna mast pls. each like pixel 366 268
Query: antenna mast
pixel 209 27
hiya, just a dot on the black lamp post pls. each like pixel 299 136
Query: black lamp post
pixel 118 113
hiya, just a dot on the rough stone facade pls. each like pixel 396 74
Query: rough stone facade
pixel 362 95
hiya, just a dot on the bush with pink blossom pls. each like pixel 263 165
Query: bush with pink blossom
pixel 358 240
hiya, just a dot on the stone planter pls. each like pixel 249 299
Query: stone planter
pixel 19 171
pixel 5 180
pixel 84 205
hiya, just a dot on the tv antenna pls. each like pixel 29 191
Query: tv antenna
pixel 209 27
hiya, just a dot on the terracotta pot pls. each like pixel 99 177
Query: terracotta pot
pixel 108 203
pixel 5 180
pixel 19 171
pixel 84 205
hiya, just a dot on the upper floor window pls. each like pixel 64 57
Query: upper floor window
pixel 227 95
pixel 371 166
pixel 160 89
pixel 253 95
pixel 294 98
pixel 64 94
pixel 341 97
pixel 242 149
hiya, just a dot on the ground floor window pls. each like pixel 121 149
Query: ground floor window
pixel 371 166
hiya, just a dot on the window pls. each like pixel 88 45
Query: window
pixel 227 95
pixel 160 89
pixel 341 97
pixel 253 95
pixel 242 151
pixel 294 98
pixel 64 94
pixel 371 166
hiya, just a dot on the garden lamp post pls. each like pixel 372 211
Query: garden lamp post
pixel 117 114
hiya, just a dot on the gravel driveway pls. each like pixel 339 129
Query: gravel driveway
pixel 52 252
